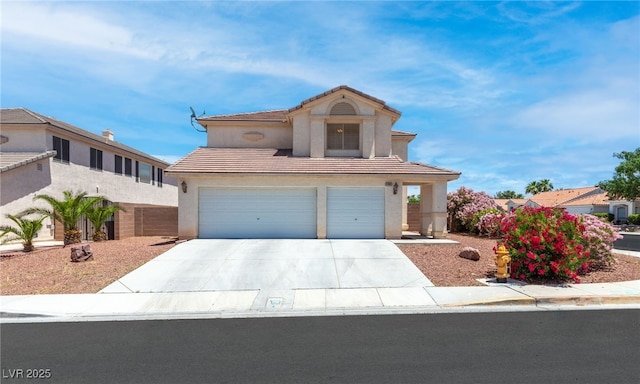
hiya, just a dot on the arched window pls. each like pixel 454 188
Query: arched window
pixel 342 109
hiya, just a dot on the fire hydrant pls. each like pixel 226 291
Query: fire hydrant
pixel 502 260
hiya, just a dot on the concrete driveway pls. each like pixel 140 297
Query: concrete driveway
pixel 236 265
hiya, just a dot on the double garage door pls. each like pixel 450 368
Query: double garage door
pixel 289 213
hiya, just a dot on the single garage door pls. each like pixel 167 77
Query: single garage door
pixel 355 213
pixel 257 213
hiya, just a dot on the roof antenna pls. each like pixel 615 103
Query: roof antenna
pixel 194 117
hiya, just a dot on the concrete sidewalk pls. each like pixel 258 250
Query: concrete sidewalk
pixel 274 300
pixel 314 302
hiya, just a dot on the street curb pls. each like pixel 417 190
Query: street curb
pixel 493 302
pixel 589 300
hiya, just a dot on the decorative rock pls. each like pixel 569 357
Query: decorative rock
pixel 81 253
pixel 470 253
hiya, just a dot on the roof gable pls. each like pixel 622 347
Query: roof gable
pixel 345 89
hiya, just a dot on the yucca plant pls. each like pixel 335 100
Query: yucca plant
pixel 68 211
pixel 98 215
pixel 26 230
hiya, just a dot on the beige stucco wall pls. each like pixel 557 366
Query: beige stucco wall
pixel 244 135
pixel 400 147
pixel 24 139
pixel 19 185
pixel 188 202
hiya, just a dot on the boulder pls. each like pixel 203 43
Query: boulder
pixel 81 252
pixel 470 253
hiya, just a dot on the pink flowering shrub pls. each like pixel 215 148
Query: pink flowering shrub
pixel 599 237
pixel 545 243
pixel 489 222
pixel 464 204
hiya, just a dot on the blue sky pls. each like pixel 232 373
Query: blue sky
pixel 505 92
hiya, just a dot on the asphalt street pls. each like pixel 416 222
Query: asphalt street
pixel 586 346
pixel 629 242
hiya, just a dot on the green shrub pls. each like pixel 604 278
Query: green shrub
pixel 604 216
pixel 634 218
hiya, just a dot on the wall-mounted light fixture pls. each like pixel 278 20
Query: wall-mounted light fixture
pixel 395 188
pixel 184 186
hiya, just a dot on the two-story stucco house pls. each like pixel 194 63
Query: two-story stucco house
pixel 42 155
pixel 330 167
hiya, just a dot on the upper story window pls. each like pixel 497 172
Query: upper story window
pixel 95 162
pixel 144 173
pixel 118 165
pixel 159 178
pixel 61 146
pixel 343 136
pixel 128 169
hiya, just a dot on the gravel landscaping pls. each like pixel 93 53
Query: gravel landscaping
pixel 49 270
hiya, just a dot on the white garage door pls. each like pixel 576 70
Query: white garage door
pixel 355 213
pixel 257 213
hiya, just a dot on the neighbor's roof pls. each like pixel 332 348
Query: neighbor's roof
pixel 24 116
pixel 278 161
pixel 11 160
pixel 568 196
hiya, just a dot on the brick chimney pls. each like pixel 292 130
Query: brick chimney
pixel 107 134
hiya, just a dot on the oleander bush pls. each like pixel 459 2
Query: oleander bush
pixel 488 222
pixel 549 243
pixel 464 204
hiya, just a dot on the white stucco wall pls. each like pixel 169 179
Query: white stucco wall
pixel 25 138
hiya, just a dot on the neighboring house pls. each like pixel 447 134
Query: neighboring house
pixel 509 205
pixel 574 200
pixel 330 167
pixel 621 209
pixel 42 155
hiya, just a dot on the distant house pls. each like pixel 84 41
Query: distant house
pixel 42 155
pixel 329 167
pixel 574 200
pixel 621 209
pixel 508 205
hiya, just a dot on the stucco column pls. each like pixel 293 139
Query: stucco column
pixel 368 139
pixel 317 137
pixel 405 201
pixel 433 210
pixel 321 212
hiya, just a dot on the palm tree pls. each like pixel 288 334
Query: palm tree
pixel 68 211
pixel 98 215
pixel 536 187
pixel 26 230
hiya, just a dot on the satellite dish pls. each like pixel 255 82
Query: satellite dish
pixel 194 117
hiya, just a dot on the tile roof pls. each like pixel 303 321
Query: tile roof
pixel 277 161
pixel 24 116
pixel 280 115
pixel 347 88
pixel 568 196
pixel 11 160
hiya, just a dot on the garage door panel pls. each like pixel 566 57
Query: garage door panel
pixel 257 213
pixel 356 213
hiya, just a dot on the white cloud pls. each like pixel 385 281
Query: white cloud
pixel 67 26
